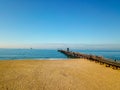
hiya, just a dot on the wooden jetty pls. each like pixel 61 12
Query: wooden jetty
pixel 98 59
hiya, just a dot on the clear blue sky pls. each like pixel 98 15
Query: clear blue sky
pixel 38 22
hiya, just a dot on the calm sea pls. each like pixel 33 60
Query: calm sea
pixel 12 54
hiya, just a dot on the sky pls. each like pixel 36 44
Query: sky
pixel 60 23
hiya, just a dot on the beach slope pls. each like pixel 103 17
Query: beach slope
pixel 74 74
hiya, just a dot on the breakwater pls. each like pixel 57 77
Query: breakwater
pixel 99 59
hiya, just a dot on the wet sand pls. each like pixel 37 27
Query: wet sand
pixel 79 74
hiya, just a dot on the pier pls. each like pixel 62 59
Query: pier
pixel 98 59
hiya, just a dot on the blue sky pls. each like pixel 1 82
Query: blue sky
pixel 59 23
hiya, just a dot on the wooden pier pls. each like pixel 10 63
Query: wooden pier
pixel 99 59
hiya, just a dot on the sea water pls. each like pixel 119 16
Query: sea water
pixel 110 54
pixel 38 54
pixel 13 54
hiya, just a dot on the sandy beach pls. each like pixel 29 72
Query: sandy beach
pixel 74 74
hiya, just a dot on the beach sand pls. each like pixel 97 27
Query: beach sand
pixel 71 74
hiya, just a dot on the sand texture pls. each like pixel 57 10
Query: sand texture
pixel 57 75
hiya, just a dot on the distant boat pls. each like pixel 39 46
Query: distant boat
pixel 31 48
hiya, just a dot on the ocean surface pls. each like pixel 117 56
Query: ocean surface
pixel 13 54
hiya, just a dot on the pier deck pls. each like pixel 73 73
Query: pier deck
pixel 99 59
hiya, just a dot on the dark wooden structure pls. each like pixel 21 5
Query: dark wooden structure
pixel 67 49
pixel 98 59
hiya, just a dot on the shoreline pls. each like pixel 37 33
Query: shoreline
pixel 73 74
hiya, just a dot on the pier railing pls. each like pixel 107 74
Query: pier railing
pixel 98 59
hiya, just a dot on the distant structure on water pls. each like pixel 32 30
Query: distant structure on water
pixel 68 50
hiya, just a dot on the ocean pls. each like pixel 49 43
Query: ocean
pixel 39 54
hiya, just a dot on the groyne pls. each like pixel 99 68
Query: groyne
pixel 99 59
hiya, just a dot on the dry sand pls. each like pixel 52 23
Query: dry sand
pixel 57 75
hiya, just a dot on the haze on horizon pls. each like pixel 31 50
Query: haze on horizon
pixel 93 24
